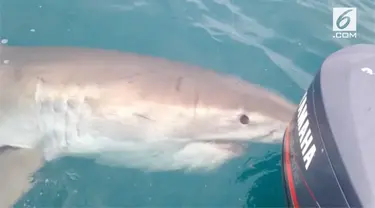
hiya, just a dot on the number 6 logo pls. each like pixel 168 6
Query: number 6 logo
pixel 344 18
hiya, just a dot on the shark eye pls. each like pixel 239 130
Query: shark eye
pixel 244 119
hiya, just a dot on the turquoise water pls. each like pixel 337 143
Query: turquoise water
pixel 278 44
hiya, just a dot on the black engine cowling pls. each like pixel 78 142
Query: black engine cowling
pixel 328 156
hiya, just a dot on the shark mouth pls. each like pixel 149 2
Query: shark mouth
pixel 233 147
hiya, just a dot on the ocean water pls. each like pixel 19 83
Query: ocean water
pixel 279 44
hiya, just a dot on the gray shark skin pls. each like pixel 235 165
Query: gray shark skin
pixel 126 109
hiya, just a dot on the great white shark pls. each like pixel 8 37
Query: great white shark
pixel 124 109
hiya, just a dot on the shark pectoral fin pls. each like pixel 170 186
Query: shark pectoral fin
pixel 17 165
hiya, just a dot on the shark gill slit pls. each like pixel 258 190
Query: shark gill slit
pixel 196 100
pixel 178 83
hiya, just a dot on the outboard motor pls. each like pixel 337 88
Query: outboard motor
pixel 329 146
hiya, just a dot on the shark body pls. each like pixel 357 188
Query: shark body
pixel 125 109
